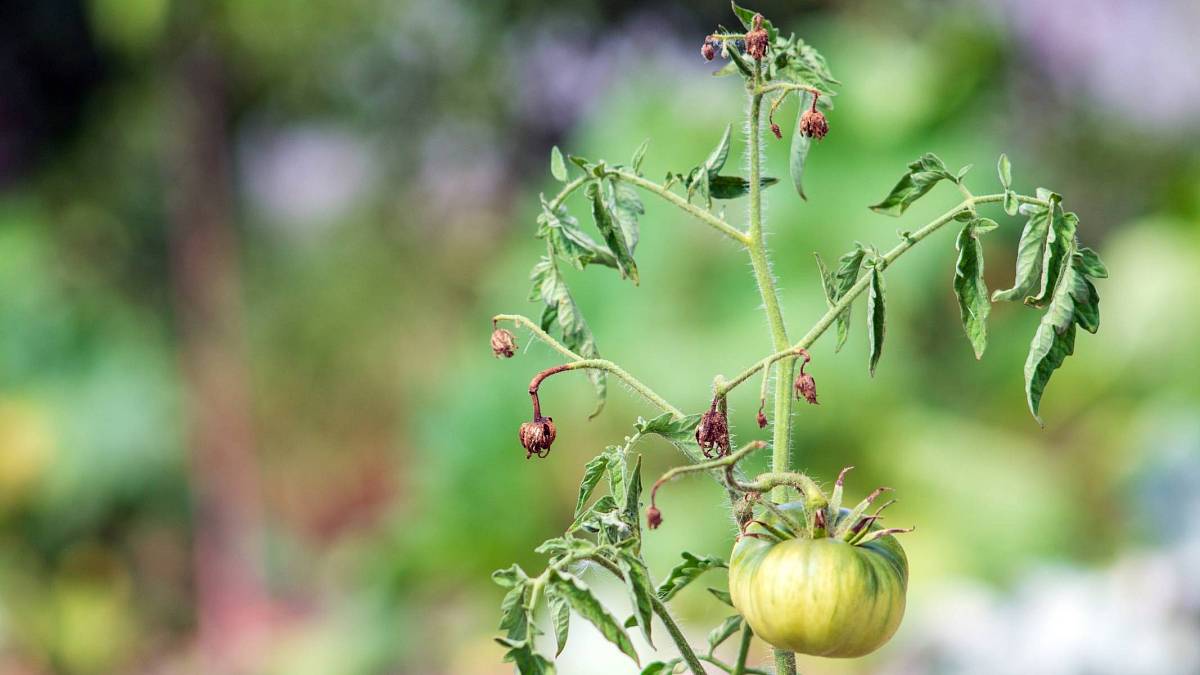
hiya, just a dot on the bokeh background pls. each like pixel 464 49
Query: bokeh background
pixel 249 250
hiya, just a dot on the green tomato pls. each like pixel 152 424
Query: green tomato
pixel 824 597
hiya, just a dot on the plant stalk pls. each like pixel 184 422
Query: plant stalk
pixel 739 667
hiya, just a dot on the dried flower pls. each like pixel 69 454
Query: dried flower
pixel 813 123
pixel 713 432
pixel 775 130
pixel 762 418
pixel 653 517
pixel 757 39
pixel 537 436
pixel 806 388
pixel 707 50
pixel 504 343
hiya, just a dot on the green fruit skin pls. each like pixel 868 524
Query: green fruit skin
pixel 822 597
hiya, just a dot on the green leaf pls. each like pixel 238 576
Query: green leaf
pixel 798 153
pixel 550 287
pixel 721 633
pixel 746 16
pixel 568 241
pixel 669 426
pixel 970 288
pixel 685 573
pixel 716 158
pixel 739 61
pixel 510 576
pixel 514 621
pixel 592 473
pixel 1090 264
pixel 616 473
pixel 733 187
pixel 661 667
pixel 638 156
pixel 1074 301
pixel 528 662
pixel 876 324
pixel 1060 246
pixel 1030 252
pixel 610 229
pixel 723 596
pixel 849 266
pixel 560 614
pixel 827 286
pixel 558 168
pixel 633 495
pixel 637 582
pixel 983 225
pixel 1004 168
pixel 922 175
pixel 587 606
pixel 1011 205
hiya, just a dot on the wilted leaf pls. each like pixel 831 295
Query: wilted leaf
pixel 1004 168
pixel 592 473
pixel 723 596
pixel 661 667
pixel 560 615
pixel 558 168
pixel 587 606
pixel 971 289
pixel 849 266
pixel 685 573
pixel 614 236
pixel 1056 257
pixel 733 187
pixel 716 158
pixel 798 153
pixel 637 582
pixel 876 319
pixel 721 633
pixel 922 175
pixel 560 309
pixel 638 156
pixel 1029 256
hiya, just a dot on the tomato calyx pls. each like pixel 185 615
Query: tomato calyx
pixel 818 517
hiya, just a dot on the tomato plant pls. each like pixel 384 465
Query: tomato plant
pixel 805 576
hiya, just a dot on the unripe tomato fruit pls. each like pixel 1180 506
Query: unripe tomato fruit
pixel 825 596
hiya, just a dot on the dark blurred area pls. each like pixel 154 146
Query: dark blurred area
pixel 249 252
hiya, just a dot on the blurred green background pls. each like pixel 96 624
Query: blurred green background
pixel 249 250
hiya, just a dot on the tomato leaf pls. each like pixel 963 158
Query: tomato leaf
pixel 528 662
pixel 1056 257
pixel 587 606
pixel 970 288
pixel 606 222
pixel 733 187
pixel 570 243
pixel 550 287
pixel 1030 253
pixel 723 596
pixel 1004 168
pixel 637 582
pixel 721 633
pixel 638 156
pixel 876 318
pixel 679 431
pixel 685 573
pixel 560 613
pixel 661 667
pixel 592 473
pixel 849 266
pixel 558 168
pixel 1074 302
pixel 633 496
pixel 798 153
pixel 928 170
pixel 513 619
pixel 716 158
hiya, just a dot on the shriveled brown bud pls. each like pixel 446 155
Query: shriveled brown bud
pixel 762 418
pixel 713 433
pixel 743 511
pixel 504 343
pixel 806 388
pixel 757 39
pixel 537 436
pixel 813 123
pixel 775 130
pixel 653 517
pixel 708 51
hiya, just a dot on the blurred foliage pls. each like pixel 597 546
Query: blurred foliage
pixel 387 159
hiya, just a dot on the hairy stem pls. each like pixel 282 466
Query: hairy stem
pixel 726 461
pixel 705 216
pixel 739 666
pixel 605 365
pixel 781 437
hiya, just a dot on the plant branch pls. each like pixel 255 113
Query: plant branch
pixel 605 365
pixel 703 215
pixel 722 462
pixel 537 331
pixel 724 388
pixel 566 191
pixel 739 667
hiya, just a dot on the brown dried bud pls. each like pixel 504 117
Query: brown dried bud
pixel 537 436
pixel 819 519
pixel 653 517
pixel 503 343
pixel 813 123
pixel 775 130
pixel 713 433
pixel 762 418
pixel 757 39
pixel 708 51
pixel 743 511
pixel 806 387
